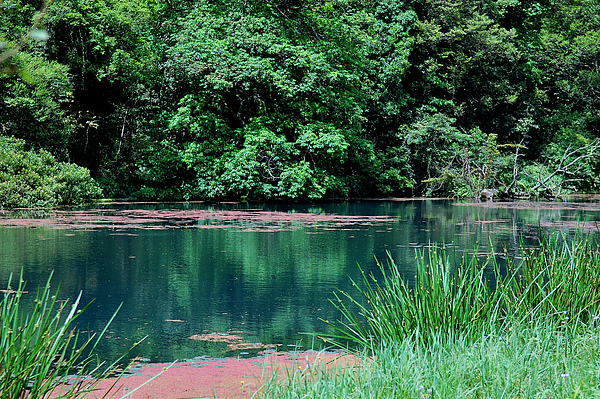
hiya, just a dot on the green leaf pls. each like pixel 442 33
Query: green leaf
pixel 25 75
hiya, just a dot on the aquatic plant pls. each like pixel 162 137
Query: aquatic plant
pixel 558 280
pixel 41 353
pixel 443 299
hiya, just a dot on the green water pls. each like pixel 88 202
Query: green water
pixel 266 286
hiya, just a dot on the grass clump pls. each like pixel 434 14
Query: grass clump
pixel 41 353
pixel 469 298
pixel 559 278
pixel 470 328
pixel 442 300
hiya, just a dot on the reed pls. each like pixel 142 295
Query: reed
pixel 41 353
pixel 559 279
pixel 442 300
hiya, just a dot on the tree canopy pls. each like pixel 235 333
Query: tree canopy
pixel 307 98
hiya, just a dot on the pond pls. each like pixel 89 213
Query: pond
pixel 234 279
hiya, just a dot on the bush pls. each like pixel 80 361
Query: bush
pixel 35 179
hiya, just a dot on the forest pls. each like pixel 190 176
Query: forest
pixel 297 99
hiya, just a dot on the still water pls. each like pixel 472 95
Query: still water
pixel 263 285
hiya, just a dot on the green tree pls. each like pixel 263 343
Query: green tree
pixel 469 67
pixel 112 49
pixel 273 98
pixel 35 92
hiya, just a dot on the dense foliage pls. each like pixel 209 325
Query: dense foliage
pixel 308 98
pixel 37 179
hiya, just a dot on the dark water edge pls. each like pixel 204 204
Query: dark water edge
pixel 216 288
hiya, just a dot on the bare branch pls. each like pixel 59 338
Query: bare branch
pixel 515 166
pixel 567 167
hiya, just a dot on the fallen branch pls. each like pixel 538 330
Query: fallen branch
pixel 566 166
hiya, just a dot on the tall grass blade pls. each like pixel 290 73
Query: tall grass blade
pixel 40 348
pixel 467 297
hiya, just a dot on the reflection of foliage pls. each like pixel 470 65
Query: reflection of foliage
pixel 36 179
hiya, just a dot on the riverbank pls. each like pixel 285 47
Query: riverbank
pixel 525 361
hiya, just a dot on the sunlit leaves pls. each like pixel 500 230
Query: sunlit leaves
pixel 287 98
pixel 34 101
pixel 36 179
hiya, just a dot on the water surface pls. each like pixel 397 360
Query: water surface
pixel 265 280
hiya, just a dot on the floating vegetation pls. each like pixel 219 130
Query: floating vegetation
pixel 246 220
pixel 234 342
pixel 544 205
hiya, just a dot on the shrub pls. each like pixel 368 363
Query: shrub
pixel 35 179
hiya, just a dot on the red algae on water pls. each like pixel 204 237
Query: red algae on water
pixel 246 220
pixel 204 377
pixel 234 342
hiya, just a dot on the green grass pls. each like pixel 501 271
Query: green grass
pixel 474 330
pixel 41 352
pixel 443 299
pixel 536 361
pixel 558 278
pixel 469 296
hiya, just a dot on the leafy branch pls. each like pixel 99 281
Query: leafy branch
pixel 35 32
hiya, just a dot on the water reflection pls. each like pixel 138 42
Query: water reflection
pixel 267 286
